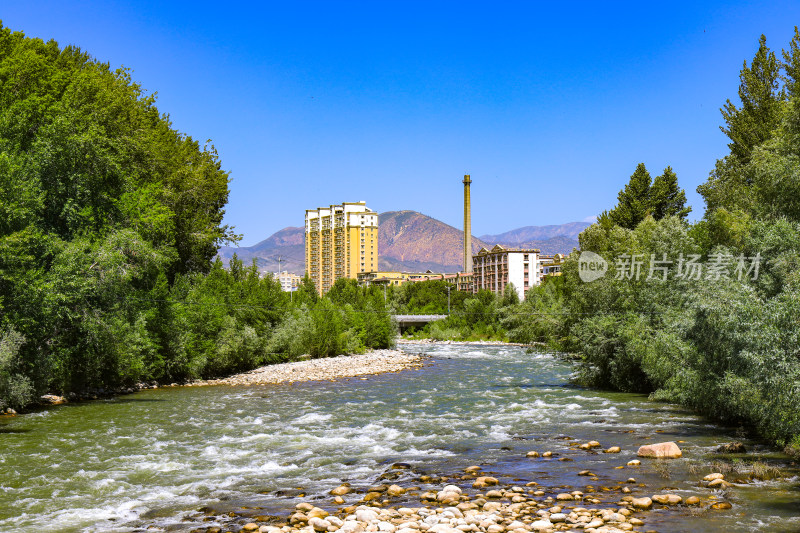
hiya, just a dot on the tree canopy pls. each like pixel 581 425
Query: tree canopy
pixel 643 197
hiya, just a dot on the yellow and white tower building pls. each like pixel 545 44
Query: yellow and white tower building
pixel 341 241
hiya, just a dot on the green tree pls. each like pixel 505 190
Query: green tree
pixel 633 202
pixel 759 92
pixel 666 198
pixel 791 65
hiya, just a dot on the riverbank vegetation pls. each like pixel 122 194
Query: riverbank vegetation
pixel 110 220
pixel 721 337
pixel 704 314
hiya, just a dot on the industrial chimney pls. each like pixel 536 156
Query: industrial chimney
pixel 467 227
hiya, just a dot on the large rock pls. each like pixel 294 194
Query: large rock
pixel 732 447
pixel 395 490
pixel 484 481
pixel 662 450
pixel 52 399
pixel 667 499
pixel 316 512
pixel 341 490
pixel 642 503
pixel 319 524
pixel 542 525
pixel 366 515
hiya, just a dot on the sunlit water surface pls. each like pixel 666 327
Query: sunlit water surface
pixel 158 456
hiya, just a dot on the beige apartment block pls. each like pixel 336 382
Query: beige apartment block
pixel 341 242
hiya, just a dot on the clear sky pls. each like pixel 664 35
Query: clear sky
pixel 315 103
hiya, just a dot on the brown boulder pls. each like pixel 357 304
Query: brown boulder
pixel 341 490
pixel 484 481
pixel 642 503
pixel 662 450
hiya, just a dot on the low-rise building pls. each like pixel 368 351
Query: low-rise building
pixel 397 278
pixel 550 265
pixel 494 269
pixel 289 282
pixel 464 281
pixel 367 279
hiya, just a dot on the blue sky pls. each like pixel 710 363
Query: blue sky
pixel 314 103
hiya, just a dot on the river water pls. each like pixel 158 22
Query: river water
pixel 155 458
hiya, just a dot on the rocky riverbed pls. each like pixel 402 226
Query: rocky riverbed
pixel 329 368
pixel 474 501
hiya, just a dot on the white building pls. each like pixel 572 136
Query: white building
pixel 494 269
pixel 289 282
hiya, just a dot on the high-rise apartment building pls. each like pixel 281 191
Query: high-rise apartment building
pixel 341 241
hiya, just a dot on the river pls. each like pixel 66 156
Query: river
pixel 155 458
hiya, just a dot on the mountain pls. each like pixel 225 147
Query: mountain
pixel 555 245
pixel 284 249
pixel 409 241
pixel 529 234
pixel 415 240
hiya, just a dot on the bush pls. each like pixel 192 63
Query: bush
pixel 16 390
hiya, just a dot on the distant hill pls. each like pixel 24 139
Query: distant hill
pixel 411 242
pixel 285 248
pixel 529 234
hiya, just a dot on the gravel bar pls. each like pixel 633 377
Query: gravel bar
pixel 328 368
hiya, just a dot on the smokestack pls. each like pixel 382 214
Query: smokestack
pixel 467 226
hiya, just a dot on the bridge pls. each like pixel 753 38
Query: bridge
pixel 406 321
